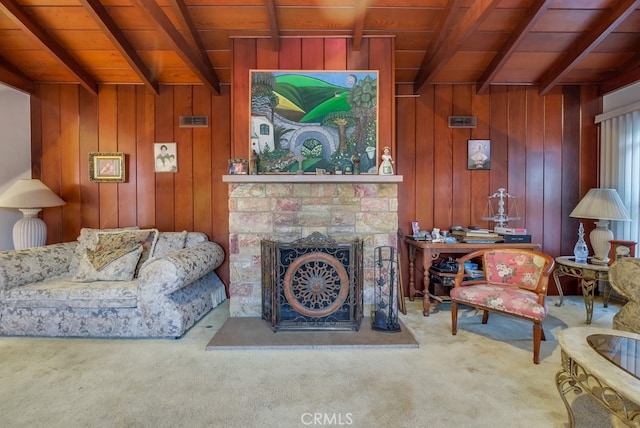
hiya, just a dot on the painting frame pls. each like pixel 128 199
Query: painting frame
pixel 314 119
pixel 107 167
pixel 479 154
pixel 165 157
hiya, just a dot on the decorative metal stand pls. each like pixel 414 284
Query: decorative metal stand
pixel 384 313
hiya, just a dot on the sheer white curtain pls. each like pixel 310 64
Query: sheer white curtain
pixel 620 166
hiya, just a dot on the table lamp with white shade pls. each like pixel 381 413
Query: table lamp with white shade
pixel 602 205
pixel 29 196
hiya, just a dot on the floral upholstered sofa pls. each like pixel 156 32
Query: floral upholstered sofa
pixel 111 283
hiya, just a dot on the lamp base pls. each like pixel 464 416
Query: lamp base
pixel 30 231
pixel 600 237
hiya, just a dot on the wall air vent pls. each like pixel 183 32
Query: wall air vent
pixel 194 121
pixel 463 121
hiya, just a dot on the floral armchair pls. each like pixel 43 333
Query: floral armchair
pixel 515 283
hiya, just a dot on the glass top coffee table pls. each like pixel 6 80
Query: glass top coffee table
pixel 604 363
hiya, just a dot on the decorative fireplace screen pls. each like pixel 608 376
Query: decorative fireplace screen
pixel 314 283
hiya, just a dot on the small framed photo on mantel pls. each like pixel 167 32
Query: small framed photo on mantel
pixel 479 154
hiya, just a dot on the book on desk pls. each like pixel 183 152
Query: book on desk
pixel 477 236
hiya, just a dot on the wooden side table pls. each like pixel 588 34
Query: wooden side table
pixel 589 275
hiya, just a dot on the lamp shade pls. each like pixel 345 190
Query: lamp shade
pixel 601 204
pixel 29 193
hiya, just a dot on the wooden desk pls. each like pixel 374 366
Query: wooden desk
pixel 431 251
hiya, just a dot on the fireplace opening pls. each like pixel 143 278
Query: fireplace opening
pixel 314 283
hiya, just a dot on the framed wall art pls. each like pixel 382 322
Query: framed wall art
pixel 166 157
pixel 479 154
pixel 107 167
pixel 238 166
pixel 323 118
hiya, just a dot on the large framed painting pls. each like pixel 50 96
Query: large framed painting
pixel 314 120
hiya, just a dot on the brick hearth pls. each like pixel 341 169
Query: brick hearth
pixel 286 208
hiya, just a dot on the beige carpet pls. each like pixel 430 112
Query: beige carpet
pixel 483 377
pixel 255 333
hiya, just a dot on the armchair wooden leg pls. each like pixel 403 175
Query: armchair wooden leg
pixel 454 318
pixel 537 335
pixel 485 317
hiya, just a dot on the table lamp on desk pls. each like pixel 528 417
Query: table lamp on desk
pixel 602 205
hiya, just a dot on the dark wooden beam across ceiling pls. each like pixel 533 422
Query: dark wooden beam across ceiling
pixel 190 31
pixel 15 12
pixel 534 13
pixel 13 77
pixel 586 44
pixel 111 30
pixel 164 26
pixel 358 28
pixel 474 16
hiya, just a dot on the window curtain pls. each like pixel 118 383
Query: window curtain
pixel 620 167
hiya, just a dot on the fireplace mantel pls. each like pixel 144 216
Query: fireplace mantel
pixel 311 178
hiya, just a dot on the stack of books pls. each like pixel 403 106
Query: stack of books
pixel 510 230
pixel 476 236
pixel 514 234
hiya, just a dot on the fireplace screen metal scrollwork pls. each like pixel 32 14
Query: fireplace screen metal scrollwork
pixel 314 283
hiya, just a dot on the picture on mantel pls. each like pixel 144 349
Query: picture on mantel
pixel 314 120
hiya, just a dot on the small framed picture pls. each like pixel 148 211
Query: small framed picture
pixel 107 167
pixel 479 154
pixel 237 166
pixel 166 157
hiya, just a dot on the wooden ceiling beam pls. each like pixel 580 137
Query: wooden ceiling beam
pixel 586 44
pixel 11 76
pixel 444 28
pixel 627 74
pixel 358 27
pixel 117 37
pixel 164 26
pixel 190 31
pixel 17 14
pixel 474 16
pixel 274 29
pixel 534 13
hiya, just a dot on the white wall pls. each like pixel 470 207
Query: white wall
pixel 622 97
pixel 15 146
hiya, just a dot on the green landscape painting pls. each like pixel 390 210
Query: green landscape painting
pixel 309 121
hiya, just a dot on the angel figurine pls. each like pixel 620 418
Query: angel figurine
pixel 386 166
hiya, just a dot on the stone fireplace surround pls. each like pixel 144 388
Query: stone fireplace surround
pixel 290 207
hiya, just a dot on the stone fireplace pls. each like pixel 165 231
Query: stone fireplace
pixel 287 208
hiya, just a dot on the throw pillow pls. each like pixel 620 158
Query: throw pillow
pixel 119 269
pixel 126 239
pixel 88 239
pixel 169 242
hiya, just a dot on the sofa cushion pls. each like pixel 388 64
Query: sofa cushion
pixel 101 265
pixel 127 239
pixel 63 293
pixel 88 238
pixel 169 242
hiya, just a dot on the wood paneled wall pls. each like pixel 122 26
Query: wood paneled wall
pixel 543 149
pixel 68 123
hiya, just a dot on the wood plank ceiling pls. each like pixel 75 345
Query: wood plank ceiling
pixel 486 42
